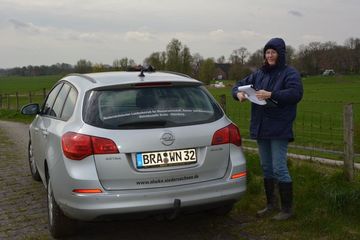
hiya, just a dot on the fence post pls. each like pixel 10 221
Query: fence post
pixel 223 102
pixel 348 142
pixel 8 101
pixel 17 101
pixel 0 101
pixel 30 97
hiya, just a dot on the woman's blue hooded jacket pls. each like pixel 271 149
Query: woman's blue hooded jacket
pixel 275 119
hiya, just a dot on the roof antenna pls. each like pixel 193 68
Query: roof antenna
pixel 142 72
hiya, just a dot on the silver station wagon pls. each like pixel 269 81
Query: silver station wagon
pixel 116 143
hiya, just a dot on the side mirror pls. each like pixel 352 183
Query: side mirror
pixel 30 109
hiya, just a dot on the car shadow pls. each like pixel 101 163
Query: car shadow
pixel 195 226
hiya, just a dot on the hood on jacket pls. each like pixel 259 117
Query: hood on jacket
pixel 278 44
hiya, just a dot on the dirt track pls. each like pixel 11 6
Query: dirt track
pixel 23 212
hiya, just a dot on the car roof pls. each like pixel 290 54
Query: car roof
pixel 103 79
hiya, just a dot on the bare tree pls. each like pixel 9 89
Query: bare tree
pixel 239 56
pixel 221 59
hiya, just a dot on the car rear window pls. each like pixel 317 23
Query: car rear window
pixel 150 107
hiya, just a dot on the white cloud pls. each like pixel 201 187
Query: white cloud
pixel 25 27
pixel 216 33
pixel 138 36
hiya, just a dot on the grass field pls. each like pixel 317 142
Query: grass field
pixel 318 125
pixel 13 84
pixel 326 206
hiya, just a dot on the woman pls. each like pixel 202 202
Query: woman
pixel 271 124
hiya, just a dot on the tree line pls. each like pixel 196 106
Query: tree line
pixel 310 59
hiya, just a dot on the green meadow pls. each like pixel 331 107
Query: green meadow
pixel 325 204
pixel 318 127
pixel 13 84
pixel 319 124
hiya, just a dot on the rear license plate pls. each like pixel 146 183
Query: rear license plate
pixel 166 158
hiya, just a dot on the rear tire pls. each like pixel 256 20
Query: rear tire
pixel 59 225
pixel 32 164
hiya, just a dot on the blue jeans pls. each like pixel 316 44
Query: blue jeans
pixel 273 159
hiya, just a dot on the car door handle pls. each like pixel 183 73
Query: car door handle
pixel 44 132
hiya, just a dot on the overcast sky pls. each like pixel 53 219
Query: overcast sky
pixel 44 32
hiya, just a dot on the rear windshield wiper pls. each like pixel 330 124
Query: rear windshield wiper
pixel 145 124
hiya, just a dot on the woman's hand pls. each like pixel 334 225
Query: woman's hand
pixel 241 96
pixel 263 95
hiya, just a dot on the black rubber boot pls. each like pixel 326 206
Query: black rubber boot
pixel 286 196
pixel 269 185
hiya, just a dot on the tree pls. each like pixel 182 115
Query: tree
pixel 186 60
pixel 207 70
pixel 123 64
pixel 290 54
pixel 256 59
pixel 98 67
pixel 221 59
pixel 157 60
pixel 83 66
pixel 238 71
pixel 173 56
pixel 196 62
pixel 239 56
pixel 352 46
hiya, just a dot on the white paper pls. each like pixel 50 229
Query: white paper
pixel 250 94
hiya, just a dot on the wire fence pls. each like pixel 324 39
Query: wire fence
pixel 317 133
pixel 14 101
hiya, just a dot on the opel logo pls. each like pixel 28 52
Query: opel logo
pixel 167 139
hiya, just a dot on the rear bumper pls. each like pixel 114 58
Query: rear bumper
pixel 103 205
pixel 69 175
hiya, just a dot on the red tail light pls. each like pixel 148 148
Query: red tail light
pixel 228 134
pixel 79 146
pixel 103 146
pixel 76 146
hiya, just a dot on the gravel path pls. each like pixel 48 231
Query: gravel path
pixel 22 201
pixel 23 212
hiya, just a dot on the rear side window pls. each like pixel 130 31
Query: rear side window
pixel 51 99
pixel 150 107
pixel 69 105
pixel 59 102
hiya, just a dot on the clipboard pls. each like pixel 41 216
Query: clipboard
pixel 250 94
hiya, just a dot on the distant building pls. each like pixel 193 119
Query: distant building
pixel 328 72
pixel 222 71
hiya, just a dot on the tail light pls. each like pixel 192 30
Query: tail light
pixel 228 134
pixel 79 146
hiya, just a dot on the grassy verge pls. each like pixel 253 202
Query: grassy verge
pixel 13 115
pixel 326 206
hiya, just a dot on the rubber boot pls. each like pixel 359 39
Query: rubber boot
pixel 286 197
pixel 269 185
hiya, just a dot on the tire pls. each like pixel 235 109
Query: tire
pixel 59 225
pixel 32 164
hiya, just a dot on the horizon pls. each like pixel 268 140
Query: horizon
pixel 43 32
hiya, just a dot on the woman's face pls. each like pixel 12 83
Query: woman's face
pixel 271 56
